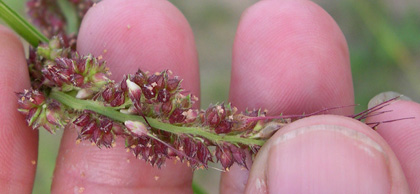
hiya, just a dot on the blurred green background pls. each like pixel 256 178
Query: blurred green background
pixel 383 37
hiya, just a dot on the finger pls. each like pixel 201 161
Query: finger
pixel 403 136
pixel 326 154
pixel 289 57
pixel 152 35
pixel 18 143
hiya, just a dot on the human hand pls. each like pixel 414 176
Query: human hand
pixel 289 56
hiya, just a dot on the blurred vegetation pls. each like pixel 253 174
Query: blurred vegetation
pixel 383 37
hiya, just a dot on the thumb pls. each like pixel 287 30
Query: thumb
pixel 326 154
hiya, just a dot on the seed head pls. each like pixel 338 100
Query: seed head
pixel 118 99
pixel 239 155
pixel 224 127
pixel 172 84
pixel 82 120
pixel 39 112
pixel 224 155
pixel 177 116
pixel 134 91
pixel 136 128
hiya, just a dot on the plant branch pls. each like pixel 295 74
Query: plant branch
pixel 99 108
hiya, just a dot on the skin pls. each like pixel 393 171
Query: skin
pixel 289 56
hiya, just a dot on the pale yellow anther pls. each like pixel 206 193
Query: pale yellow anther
pixel 234 109
pixel 220 109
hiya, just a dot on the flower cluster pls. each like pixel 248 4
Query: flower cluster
pixel 158 95
pixel 148 97
pixel 41 112
pixel 48 16
pixel 50 21
pixel 228 154
pixel 99 129
pixel 54 65
pixel 45 54
pixel 82 73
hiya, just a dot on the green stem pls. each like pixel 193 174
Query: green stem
pixel 21 26
pixel 97 107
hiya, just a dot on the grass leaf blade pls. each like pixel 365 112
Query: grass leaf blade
pixel 21 26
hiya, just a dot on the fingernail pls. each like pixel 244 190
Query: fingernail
pixel 384 96
pixel 329 158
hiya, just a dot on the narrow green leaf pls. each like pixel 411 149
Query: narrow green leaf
pixel 21 26
pixel 69 12
pixel 197 189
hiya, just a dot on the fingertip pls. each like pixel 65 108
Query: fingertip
pixel 18 143
pixel 290 57
pixel 326 154
pixel 13 57
pixel 403 136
